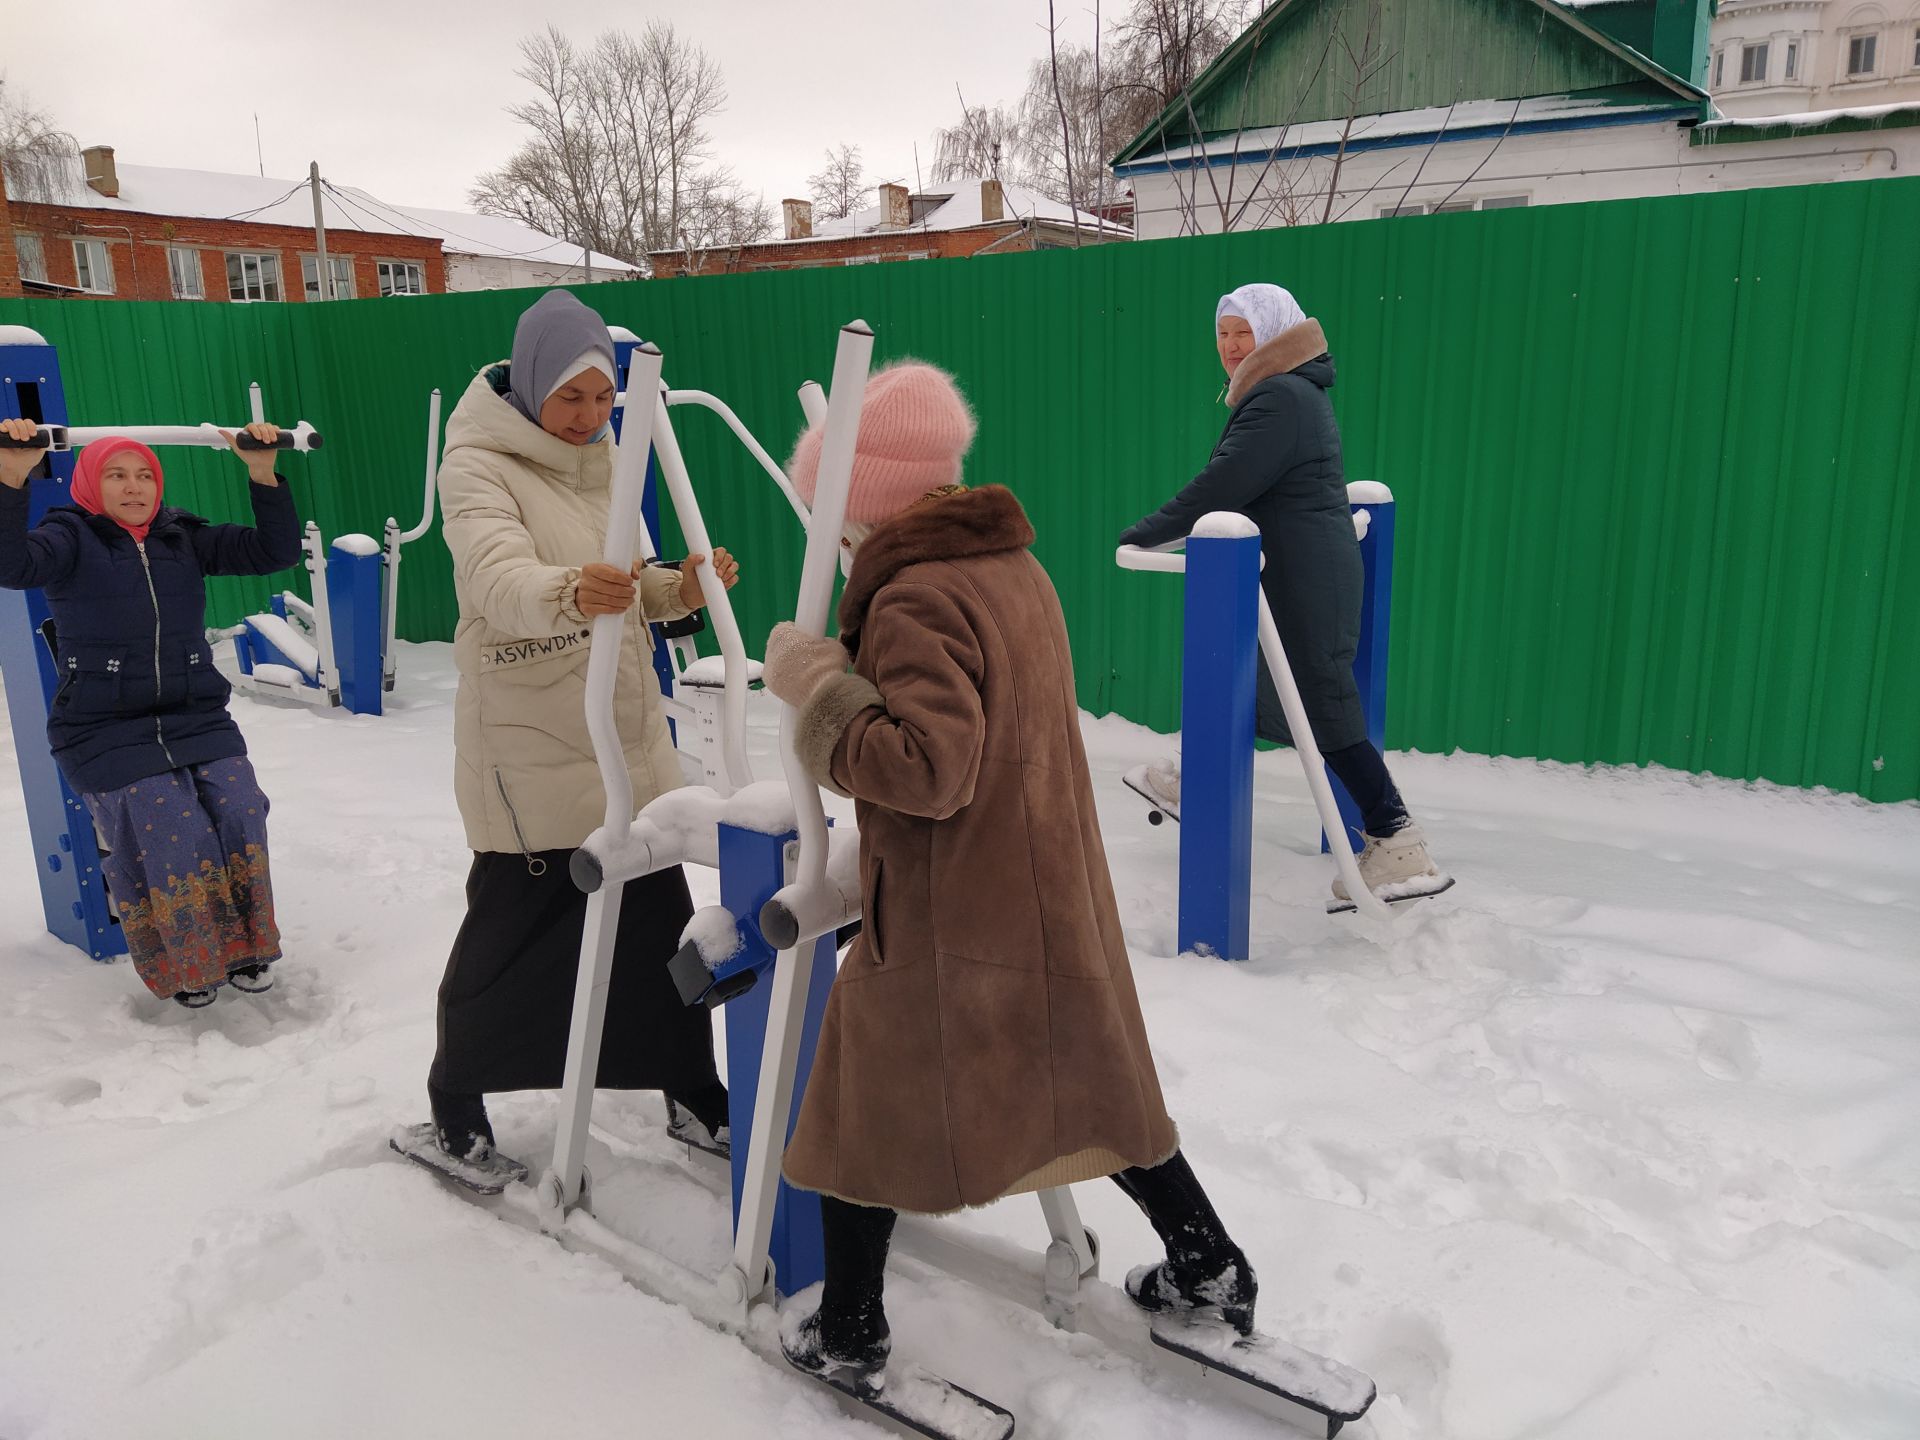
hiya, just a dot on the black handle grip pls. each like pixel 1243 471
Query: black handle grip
pixel 42 439
pixel 285 442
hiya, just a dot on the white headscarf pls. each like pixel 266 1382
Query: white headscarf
pixel 1267 308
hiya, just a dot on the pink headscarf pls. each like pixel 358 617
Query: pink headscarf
pixel 86 479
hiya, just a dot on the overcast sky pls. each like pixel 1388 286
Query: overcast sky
pixel 407 98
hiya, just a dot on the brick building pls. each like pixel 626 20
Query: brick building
pixel 135 232
pixel 969 217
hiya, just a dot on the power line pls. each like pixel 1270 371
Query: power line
pixel 480 245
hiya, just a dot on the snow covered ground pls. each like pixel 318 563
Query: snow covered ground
pixel 1620 1138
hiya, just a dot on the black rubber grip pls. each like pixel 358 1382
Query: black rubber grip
pixel 42 439
pixel 285 442
pixel 586 872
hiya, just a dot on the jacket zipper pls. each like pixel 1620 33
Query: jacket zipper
pixel 535 866
pixel 159 733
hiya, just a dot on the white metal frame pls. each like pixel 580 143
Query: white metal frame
pixel 394 537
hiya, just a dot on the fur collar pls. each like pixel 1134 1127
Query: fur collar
pixel 975 522
pixel 1285 352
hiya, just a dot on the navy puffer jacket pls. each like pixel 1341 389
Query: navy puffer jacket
pixel 139 694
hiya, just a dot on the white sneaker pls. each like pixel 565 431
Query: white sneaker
pixel 1163 779
pixel 1397 867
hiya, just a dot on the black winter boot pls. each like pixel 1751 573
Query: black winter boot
pixel 460 1124
pixel 1204 1269
pixel 847 1339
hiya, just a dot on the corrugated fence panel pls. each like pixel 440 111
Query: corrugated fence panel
pixel 1655 458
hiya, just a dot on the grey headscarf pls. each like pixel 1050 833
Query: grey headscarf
pixel 555 331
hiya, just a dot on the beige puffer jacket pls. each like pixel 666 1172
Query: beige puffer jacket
pixel 522 512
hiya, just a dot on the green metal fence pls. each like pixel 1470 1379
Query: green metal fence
pixel 1656 459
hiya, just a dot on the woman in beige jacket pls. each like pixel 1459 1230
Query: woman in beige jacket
pixel 524 492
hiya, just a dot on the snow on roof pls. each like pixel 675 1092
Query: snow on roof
pixel 1463 119
pixel 210 195
pixel 959 209
pixel 1810 118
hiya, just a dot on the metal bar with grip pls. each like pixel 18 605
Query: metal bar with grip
pixel 302 437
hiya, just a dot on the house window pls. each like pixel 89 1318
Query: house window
pixel 1719 69
pixel 402 277
pixel 253 277
pixel 183 270
pixel 340 265
pixel 33 258
pixel 92 267
pixel 1753 64
pixel 1793 60
pixel 1504 202
pixel 1863 54
pixel 1388 212
pixel 1916 47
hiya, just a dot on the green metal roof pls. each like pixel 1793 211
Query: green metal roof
pixel 1292 65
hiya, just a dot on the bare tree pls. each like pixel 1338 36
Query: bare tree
pixel 984 142
pixel 41 161
pixel 620 158
pixel 841 189
pixel 1161 46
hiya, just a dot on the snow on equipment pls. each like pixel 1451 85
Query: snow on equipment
pixel 72 888
pixel 337 649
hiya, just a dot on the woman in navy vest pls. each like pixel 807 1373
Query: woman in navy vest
pixel 139 724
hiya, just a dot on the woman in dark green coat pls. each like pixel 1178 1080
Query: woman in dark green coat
pixel 1278 463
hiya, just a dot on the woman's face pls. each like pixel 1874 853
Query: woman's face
pixel 1234 337
pixel 578 410
pixel 129 490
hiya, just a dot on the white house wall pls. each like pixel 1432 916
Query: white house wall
pixel 495 272
pixel 1822 31
pixel 1555 168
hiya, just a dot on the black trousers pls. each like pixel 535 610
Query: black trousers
pixel 506 1001
pixel 1363 770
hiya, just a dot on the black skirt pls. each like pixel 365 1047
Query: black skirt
pixel 506 1002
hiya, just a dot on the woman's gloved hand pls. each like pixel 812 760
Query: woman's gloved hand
pixel 798 664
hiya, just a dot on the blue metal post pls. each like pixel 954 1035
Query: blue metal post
pixel 359 625
pixel 752 868
pixel 73 892
pixel 1216 723
pixel 1370 660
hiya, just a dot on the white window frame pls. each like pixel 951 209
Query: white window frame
pixel 1870 39
pixel 100 258
pixel 261 260
pixel 1719 68
pixel 389 270
pixel 25 241
pixel 1506 202
pixel 1793 60
pixel 1916 47
pixel 344 285
pixel 1763 51
pixel 179 256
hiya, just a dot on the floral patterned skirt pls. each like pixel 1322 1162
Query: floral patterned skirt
pixel 187 869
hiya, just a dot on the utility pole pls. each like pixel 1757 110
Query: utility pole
pixel 323 272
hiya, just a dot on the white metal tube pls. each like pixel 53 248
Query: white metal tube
pixel 256 403
pixel 726 628
pixel 583 1038
pixel 603 670
pixel 813 402
pixel 433 469
pixel 754 447
pixel 205 435
pixel 316 548
pixel 623 523
pixel 1316 768
pixel 1133 557
pixel 793 969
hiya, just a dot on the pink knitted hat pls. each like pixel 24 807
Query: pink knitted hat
pixel 914 429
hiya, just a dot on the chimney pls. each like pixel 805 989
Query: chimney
pixel 896 208
pixel 993 202
pixel 1680 38
pixel 798 218
pixel 101 174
